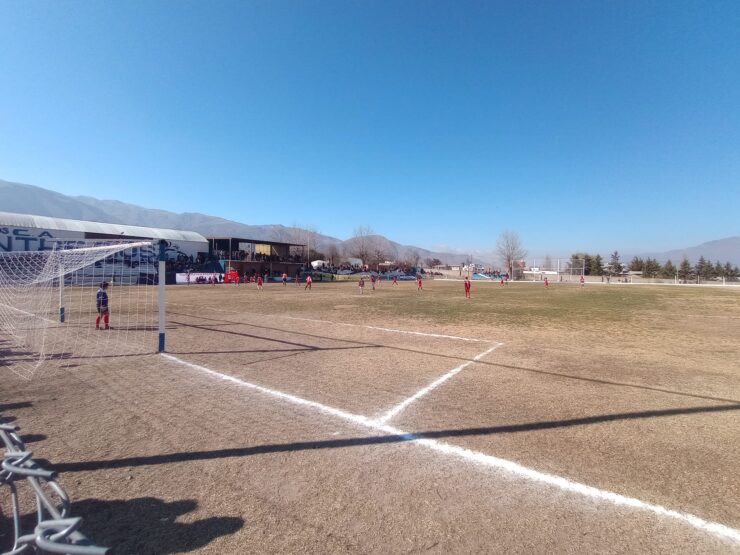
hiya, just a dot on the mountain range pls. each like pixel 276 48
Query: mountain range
pixel 29 199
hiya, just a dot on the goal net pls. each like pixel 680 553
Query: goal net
pixel 49 304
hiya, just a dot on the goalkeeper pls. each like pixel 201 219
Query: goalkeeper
pixel 101 301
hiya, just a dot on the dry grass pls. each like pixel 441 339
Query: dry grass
pixel 631 389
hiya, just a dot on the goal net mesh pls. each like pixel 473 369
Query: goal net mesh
pixel 48 306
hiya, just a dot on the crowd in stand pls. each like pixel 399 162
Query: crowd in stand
pixel 246 256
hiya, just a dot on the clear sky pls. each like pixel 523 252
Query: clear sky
pixel 587 125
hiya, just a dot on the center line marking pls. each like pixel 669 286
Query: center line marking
pixel 490 461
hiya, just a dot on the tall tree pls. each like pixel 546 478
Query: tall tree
pixel 728 272
pixel 668 271
pixel 377 254
pixel 650 268
pixel 510 249
pixel 615 265
pixel 703 268
pixel 597 266
pixel 361 243
pixel 333 253
pixel 636 264
pixel 412 258
pixel 685 271
pixel 718 270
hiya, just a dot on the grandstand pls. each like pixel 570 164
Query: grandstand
pixel 256 256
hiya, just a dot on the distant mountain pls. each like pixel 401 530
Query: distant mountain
pixel 29 199
pixel 724 250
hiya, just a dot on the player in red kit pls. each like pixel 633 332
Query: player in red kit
pixel 419 286
pixel 466 283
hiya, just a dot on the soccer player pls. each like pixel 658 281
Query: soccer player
pixel 259 282
pixel 547 282
pixel 285 279
pixel 583 281
pixel 466 283
pixel 101 302
pixel 372 281
pixel 309 281
pixel 419 286
pixel 361 285
pixel 395 280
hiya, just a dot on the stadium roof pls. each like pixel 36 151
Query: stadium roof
pixel 61 224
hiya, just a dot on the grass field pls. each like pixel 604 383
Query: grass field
pixel 526 419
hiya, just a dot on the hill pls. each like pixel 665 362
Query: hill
pixel 30 199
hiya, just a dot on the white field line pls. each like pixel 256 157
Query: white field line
pixel 28 313
pixel 385 329
pixel 482 459
pixel 439 381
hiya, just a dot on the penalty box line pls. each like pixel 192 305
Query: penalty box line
pixel 439 381
pixel 390 330
pixel 482 459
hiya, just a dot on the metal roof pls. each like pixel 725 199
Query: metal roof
pixel 61 224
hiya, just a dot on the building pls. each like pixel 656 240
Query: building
pixel 27 232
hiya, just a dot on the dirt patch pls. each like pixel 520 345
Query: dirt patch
pixel 615 388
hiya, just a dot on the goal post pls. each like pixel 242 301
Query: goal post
pixel 82 299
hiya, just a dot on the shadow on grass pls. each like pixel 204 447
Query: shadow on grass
pixel 148 525
pixel 551 373
pixel 379 440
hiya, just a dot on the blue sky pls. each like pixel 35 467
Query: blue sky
pixel 581 125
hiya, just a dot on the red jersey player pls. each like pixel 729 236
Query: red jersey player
pixel 466 283
pixel 419 286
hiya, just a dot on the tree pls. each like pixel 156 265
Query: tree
pixel 597 266
pixel 577 263
pixel 728 272
pixel 703 269
pixel 547 264
pixel 361 243
pixel 332 252
pixel 432 262
pixel 510 249
pixel 377 254
pixel 685 271
pixel 650 268
pixel 636 264
pixel 412 258
pixel 668 271
pixel 718 270
pixel 615 266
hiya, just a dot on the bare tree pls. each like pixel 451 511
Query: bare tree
pixel 362 243
pixel 378 252
pixel 412 258
pixel 509 248
pixel 333 253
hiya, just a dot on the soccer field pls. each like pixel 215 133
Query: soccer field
pixel 525 419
